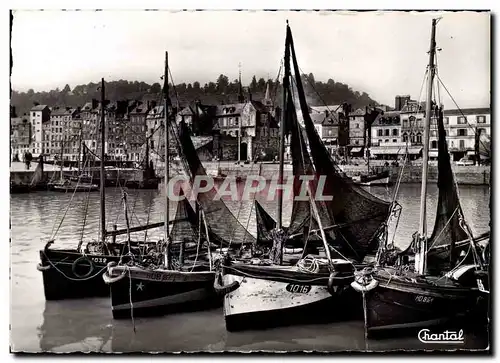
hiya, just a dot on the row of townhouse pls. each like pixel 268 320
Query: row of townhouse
pixel 398 132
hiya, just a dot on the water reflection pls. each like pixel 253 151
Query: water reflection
pixel 75 326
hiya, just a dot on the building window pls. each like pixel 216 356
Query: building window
pixel 461 144
pixel 386 140
pixel 387 131
pixel 394 140
pixel 356 142
pixel 379 132
pixel 405 123
pixel 412 137
pixel 394 132
pixel 434 144
pixel 357 126
pixel 462 132
pixel 461 120
pixel 419 138
pixel 446 120
pixel 481 119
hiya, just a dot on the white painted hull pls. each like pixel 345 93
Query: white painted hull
pixel 259 302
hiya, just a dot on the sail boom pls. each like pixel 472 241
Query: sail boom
pixel 141 228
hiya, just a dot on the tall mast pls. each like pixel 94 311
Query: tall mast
pixel 279 224
pixel 420 260
pixel 102 176
pixel 167 156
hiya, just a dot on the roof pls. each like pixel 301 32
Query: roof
pixel 358 112
pixel 62 111
pixel 405 107
pixel 156 111
pixel 259 106
pixel 141 109
pixel 467 111
pixel 231 109
pixel 331 108
pixel 38 108
pixel 388 118
pixel 87 106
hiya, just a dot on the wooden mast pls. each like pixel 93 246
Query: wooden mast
pixel 420 260
pixel 102 174
pixel 167 156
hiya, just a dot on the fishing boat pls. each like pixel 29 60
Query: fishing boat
pixel 264 291
pixel 441 284
pixel 77 272
pixel 178 278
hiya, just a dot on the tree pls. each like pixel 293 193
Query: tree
pixel 155 88
pixel 261 85
pixel 222 83
pixel 67 89
pixel 196 85
pixel 253 84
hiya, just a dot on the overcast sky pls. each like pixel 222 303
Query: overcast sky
pixel 383 54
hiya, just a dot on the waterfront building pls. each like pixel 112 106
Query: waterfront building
pixel 20 137
pixel 64 134
pixel 255 126
pixel 464 127
pixel 198 117
pixel 39 120
pixel 136 135
pixel 90 125
pixel 357 137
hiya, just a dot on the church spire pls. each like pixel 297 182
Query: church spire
pixel 267 97
pixel 241 97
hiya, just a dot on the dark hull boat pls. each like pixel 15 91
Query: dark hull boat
pixel 143 292
pixel 71 274
pixel 400 303
pixel 77 273
pixel 449 276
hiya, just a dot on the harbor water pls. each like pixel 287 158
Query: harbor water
pixel 87 325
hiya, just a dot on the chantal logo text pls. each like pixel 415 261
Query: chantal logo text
pixel 447 337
